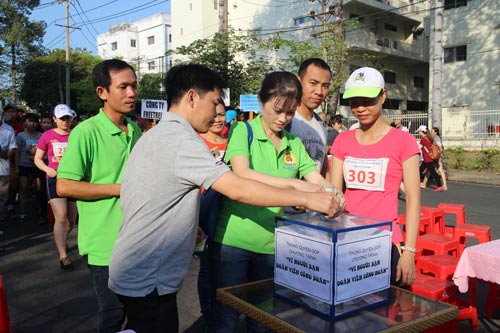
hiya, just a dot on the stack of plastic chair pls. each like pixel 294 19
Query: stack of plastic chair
pixel 463 230
pixel 445 291
pixel 5 326
pixel 435 241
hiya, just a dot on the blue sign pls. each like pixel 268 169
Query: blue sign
pixel 249 103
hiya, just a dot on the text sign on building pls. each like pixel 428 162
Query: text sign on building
pixel 153 108
pixel 249 103
pixel 362 267
pixel 304 264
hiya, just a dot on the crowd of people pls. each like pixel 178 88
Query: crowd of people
pixel 135 186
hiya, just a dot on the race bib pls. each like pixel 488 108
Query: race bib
pixel 59 148
pixel 365 173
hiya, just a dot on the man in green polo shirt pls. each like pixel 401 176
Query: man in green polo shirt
pixel 91 171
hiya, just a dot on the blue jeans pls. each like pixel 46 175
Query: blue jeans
pixel 205 296
pixel 230 266
pixel 110 312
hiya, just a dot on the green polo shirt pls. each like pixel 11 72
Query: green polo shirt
pixel 97 152
pixel 249 227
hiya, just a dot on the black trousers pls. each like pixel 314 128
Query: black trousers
pixel 432 169
pixel 152 313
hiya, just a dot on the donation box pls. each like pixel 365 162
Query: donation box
pixel 333 267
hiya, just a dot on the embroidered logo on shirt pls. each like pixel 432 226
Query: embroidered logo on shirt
pixel 290 159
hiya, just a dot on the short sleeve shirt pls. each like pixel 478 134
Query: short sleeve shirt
pixel 55 145
pixel 97 152
pixel 26 146
pixel 249 227
pixel 7 142
pixel 373 174
pixel 313 134
pixel 160 200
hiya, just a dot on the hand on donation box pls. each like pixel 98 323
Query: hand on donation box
pixel 338 194
pixel 406 268
pixel 323 202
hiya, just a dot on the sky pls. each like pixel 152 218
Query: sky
pixel 89 18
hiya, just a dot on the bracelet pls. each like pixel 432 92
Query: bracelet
pixel 409 249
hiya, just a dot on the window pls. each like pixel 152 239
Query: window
pixel 390 27
pixel 356 16
pixel 417 106
pixel 395 44
pixel 302 20
pixel 191 6
pixel 151 40
pixel 418 82
pixel 132 43
pixel 389 77
pixel 450 4
pixel 151 65
pixel 454 54
pixel 182 31
pixel 215 4
pixel 114 46
pixel 170 38
pixel 391 104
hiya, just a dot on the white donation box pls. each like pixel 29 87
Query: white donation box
pixel 333 267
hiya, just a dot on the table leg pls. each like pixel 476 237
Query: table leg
pixel 472 292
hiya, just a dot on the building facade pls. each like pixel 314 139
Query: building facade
pixel 143 43
pixel 390 35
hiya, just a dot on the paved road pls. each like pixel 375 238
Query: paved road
pixel 44 299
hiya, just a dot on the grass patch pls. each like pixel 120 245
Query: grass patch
pixel 485 160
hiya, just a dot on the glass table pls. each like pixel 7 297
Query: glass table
pixel 405 312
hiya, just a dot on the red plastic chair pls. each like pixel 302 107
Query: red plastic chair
pixel 457 209
pixel 436 217
pixel 463 231
pixel 440 266
pixel 425 224
pixel 5 325
pixel 438 244
pixel 433 287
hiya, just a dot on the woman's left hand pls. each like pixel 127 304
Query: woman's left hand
pixel 406 271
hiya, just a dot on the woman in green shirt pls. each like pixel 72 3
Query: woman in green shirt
pixel 243 247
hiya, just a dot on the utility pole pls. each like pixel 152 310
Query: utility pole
pixel 326 12
pixel 223 25
pixel 436 64
pixel 68 64
pixel 67 61
pixel 336 61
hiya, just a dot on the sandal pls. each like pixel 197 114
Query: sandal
pixel 66 264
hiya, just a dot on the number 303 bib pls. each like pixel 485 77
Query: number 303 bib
pixel 365 173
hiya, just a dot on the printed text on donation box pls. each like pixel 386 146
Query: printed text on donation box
pixel 304 264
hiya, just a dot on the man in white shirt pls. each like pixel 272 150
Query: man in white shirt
pixel 315 76
pixel 7 149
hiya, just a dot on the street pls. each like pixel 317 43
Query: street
pixel 43 298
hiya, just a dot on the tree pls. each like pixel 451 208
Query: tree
pixel 150 86
pixel 20 39
pixel 328 45
pixel 44 81
pixel 225 53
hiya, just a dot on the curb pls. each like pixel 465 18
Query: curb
pixel 486 178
